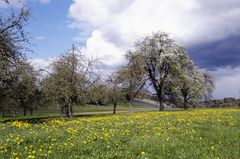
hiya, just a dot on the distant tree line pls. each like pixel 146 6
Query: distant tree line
pixel 156 66
pixel 225 102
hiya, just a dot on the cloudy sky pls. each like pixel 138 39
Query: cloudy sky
pixel 210 29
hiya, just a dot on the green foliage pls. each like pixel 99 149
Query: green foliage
pixel 25 88
pixel 23 92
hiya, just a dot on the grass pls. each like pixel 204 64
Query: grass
pixel 205 133
pixel 52 111
pixel 120 107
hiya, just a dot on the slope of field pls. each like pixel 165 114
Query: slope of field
pixel 208 133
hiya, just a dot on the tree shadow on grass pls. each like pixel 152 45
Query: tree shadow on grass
pixel 41 119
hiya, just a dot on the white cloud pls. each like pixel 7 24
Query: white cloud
pixel 117 24
pixel 39 37
pixel 39 63
pixel 99 48
pixel 189 21
pixel 122 22
pixel 44 1
pixel 227 82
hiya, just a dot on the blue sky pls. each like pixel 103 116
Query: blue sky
pixel 210 29
pixel 49 28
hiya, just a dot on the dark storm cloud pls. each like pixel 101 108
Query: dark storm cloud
pixel 222 53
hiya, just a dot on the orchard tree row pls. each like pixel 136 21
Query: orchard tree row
pixel 157 65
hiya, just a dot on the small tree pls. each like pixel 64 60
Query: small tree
pixel 209 85
pixel 25 88
pixel 191 86
pixel 188 83
pixel 21 93
pixel 188 80
pixel 113 90
pixel 132 78
pixel 69 78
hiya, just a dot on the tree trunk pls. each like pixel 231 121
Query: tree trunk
pixel 15 114
pixel 71 110
pixel 62 108
pixel 24 111
pixel 67 111
pixel 31 111
pixel 161 106
pixel 185 103
pixel 130 106
pixel 194 105
pixel 3 113
pixel 114 108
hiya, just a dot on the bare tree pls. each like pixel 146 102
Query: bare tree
pixel 69 79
